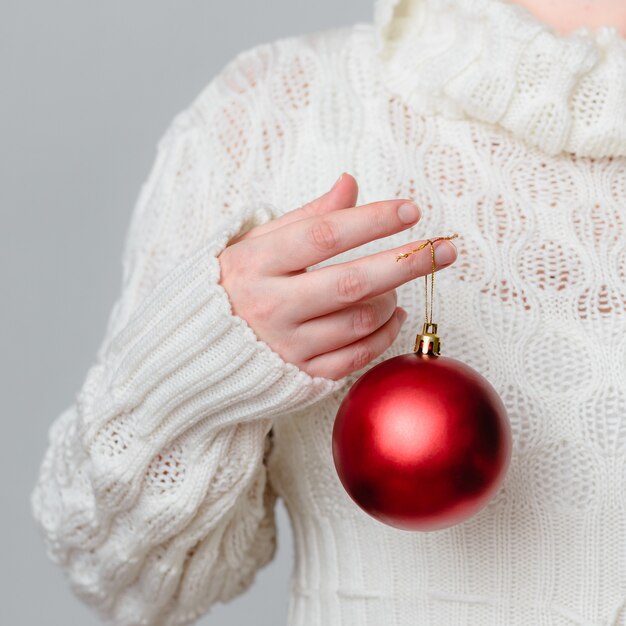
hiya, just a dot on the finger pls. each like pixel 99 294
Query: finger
pixel 324 290
pixel 342 195
pixel 312 240
pixel 356 355
pixel 330 332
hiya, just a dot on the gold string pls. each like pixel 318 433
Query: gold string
pixel 432 282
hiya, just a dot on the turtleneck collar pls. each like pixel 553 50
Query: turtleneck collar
pixel 496 62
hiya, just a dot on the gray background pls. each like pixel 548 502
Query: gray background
pixel 86 91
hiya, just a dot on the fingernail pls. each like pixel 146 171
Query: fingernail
pixel 408 212
pixel 445 252
pixel 402 315
pixel 338 180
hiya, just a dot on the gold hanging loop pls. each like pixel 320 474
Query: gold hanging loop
pixel 428 342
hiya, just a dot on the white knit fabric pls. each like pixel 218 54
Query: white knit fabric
pixel 157 492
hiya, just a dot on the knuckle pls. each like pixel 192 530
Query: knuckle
pixel 323 235
pixel 293 347
pixel 305 209
pixel 415 265
pixel 253 258
pixel 238 259
pixel 361 356
pixel 365 319
pixel 287 353
pixel 262 309
pixel 351 285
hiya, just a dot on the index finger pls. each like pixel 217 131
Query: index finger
pixel 341 196
pixel 309 241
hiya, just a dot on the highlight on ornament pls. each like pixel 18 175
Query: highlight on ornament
pixel 422 441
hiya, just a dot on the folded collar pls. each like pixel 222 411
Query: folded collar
pixel 494 61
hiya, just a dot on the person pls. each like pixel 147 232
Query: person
pixel 253 296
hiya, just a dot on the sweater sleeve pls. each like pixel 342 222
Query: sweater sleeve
pixel 153 493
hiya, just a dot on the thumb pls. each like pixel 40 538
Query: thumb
pixel 342 195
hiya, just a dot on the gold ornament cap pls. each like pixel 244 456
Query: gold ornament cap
pixel 427 342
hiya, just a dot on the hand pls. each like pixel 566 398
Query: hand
pixel 333 320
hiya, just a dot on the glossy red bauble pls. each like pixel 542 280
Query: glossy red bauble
pixel 421 441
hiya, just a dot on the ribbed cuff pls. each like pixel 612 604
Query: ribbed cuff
pixel 185 356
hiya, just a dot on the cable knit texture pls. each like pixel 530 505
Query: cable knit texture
pixel 157 492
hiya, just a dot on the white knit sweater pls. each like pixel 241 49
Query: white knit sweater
pixel 157 492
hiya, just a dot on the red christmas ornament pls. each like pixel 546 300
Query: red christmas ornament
pixel 422 441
